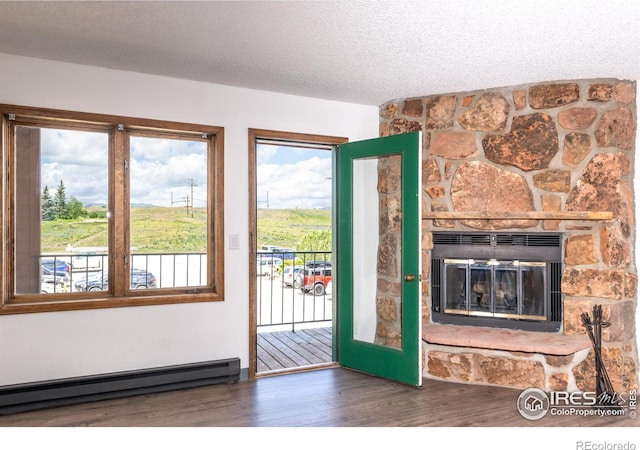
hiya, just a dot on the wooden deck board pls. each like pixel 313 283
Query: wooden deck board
pixel 276 356
pixel 321 337
pixel 318 343
pixel 307 352
pixel 281 350
pixel 290 354
pixel 266 362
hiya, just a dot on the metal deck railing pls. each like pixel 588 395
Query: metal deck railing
pixel 282 300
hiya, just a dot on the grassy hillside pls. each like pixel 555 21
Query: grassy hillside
pixel 287 227
pixel 154 229
pixel 157 229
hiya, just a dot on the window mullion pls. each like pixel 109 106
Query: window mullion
pixel 119 208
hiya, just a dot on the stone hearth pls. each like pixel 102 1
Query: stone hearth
pixel 557 147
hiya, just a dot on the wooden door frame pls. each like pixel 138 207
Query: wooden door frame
pixel 279 137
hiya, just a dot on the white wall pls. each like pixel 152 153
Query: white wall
pixel 45 346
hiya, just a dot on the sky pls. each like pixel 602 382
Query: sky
pixel 162 171
pixel 79 160
pixel 291 177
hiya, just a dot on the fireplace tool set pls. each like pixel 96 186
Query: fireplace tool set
pixel 604 388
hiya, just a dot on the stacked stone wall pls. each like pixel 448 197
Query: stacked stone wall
pixel 557 146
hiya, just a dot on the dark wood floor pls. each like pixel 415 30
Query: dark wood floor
pixel 281 350
pixel 330 397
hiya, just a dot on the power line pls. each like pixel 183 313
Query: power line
pixel 186 199
pixel 264 201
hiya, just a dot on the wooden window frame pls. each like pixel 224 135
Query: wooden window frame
pixel 119 129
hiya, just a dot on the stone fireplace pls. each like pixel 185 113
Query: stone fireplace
pixel 541 159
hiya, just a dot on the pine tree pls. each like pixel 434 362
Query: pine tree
pixel 48 209
pixel 61 202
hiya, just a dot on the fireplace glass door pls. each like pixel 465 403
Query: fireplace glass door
pixel 493 288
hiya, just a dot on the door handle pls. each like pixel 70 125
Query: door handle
pixel 409 277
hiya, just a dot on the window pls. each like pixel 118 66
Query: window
pixel 104 211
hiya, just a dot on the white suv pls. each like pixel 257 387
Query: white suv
pixel 268 266
pixel 289 276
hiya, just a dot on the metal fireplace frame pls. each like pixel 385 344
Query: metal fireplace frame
pixel 519 249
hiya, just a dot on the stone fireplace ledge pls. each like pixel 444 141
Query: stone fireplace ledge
pixel 504 339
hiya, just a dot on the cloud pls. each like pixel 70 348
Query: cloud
pixel 289 177
pixel 161 170
pixel 77 158
pixel 85 148
pixel 164 171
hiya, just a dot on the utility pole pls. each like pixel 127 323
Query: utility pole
pixel 191 184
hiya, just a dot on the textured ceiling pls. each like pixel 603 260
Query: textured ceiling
pixel 365 52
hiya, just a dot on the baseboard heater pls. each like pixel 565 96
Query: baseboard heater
pixel 47 394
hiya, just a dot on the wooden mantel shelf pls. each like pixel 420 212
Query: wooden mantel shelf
pixel 528 215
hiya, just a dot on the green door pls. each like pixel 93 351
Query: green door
pixel 378 255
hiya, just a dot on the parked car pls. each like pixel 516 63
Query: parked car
pixel 57 266
pixel 317 264
pixel 278 252
pixel 50 276
pixel 141 279
pixel 49 287
pixel 316 279
pixel 53 282
pixel 87 261
pixel 309 265
pixel 268 265
pixel 99 281
pixel 290 276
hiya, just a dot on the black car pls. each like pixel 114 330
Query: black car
pixel 314 264
pixel 99 281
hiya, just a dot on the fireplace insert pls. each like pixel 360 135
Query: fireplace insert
pixel 505 280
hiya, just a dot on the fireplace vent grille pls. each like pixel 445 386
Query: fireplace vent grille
pixel 529 240
pixel 461 239
pixel 494 239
